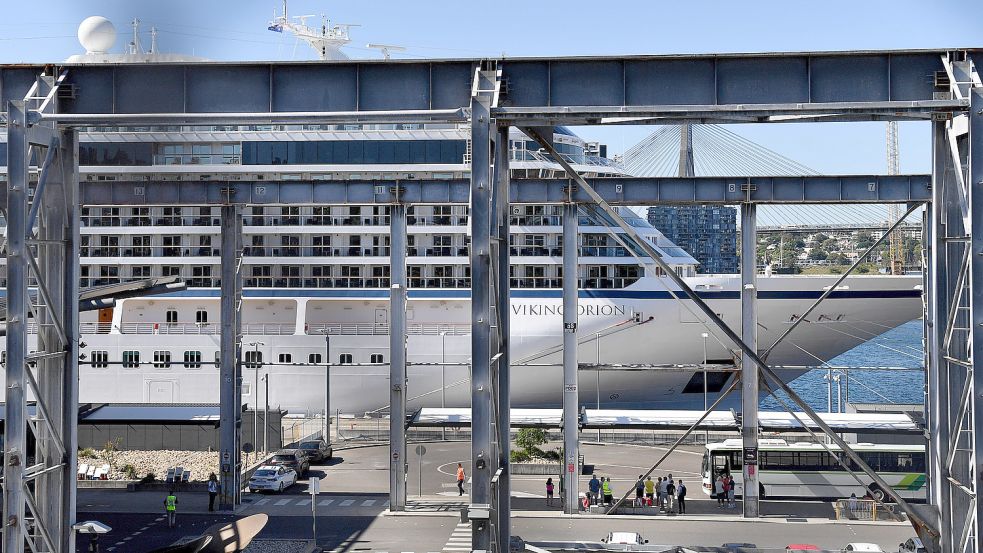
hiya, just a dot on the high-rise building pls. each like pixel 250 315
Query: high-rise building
pixel 707 232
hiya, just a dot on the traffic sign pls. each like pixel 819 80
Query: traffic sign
pixel 421 450
pixel 315 486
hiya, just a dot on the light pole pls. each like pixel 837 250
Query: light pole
pixel 597 374
pixel 443 384
pixel 256 365
pixel 327 386
pixel 266 415
pixel 705 388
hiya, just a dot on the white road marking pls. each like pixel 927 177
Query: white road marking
pixel 263 501
pixel 282 502
pixel 325 502
pixel 304 502
pixel 368 503
pixel 347 503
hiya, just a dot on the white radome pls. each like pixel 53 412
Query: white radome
pixel 97 34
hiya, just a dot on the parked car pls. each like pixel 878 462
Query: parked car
pixel 738 547
pixel 913 545
pixel 865 547
pixel 272 478
pixel 625 538
pixel 801 547
pixel 316 450
pixel 292 458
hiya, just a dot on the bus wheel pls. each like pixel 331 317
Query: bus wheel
pixel 879 494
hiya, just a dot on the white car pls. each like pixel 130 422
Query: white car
pixel 913 545
pixel 272 478
pixel 625 538
pixel 864 547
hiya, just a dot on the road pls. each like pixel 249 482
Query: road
pixel 352 509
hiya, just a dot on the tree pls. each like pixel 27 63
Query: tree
pixel 831 245
pixel 819 238
pixel 529 440
pixel 817 254
pixel 864 240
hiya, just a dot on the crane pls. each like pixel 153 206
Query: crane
pixel 894 210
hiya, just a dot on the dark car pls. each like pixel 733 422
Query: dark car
pixel 292 458
pixel 316 450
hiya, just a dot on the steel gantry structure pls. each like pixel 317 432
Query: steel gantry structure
pixel 46 104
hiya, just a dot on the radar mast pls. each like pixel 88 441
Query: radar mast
pixel 326 41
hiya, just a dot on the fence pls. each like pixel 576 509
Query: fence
pixel 865 509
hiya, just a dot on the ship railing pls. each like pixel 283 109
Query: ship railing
pixel 382 329
pixel 186 328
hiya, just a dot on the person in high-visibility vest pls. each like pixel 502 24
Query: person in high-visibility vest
pixel 606 490
pixel 170 505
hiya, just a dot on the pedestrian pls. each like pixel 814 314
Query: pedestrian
pixel 639 490
pixel 212 491
pixel 460 480
pixel 718 491
pixel 670 496
pixel 594 490
pixel 170 506
pixel 649 490
pixel 853 504
pixel 681 497
pixel 658 494
pixel 606 488
pixel 549 491
pixel 662 492
pixel 731 492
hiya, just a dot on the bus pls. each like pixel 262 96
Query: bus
pixel 807 469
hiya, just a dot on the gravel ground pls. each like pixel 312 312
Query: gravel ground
pixel 279 546
pixel 200 463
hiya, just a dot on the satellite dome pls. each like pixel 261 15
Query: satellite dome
pixel 97 34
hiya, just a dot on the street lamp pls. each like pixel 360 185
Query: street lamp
pixel 327 386
pixel 597 374
pixel 266 415
pixel 443 384
pixel 256 365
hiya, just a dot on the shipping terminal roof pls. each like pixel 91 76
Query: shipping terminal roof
pixel 664 419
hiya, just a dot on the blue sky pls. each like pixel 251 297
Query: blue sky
pixel 44 31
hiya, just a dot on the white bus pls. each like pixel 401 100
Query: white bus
pixel 807 469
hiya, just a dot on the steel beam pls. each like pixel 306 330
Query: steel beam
pixel 483 88
pixel 571 427
pixel 628 191
pixel 397 358
pixel 502 213
pixel 749 370
pixel 230 373
pixel 975 197
pixel 15 526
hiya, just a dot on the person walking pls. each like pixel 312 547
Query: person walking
pixel 594 490
pixel 662 492
pixel 681 497
pixel 718 491
pixel 606 488
pixel 460 480
pixel 170 506
pixel 212 491
pixel 549 491
pixel 671 496
pixel 639 490
pixel 649 490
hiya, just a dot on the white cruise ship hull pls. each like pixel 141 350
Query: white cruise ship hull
pixel 641 325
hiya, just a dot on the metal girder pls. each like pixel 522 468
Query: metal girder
pixel 571 429
pixel 230 372
pixel 484 93
pixel 857 189
pixel 975 178
pixel 750 377
pixel 397 359
pixel 500 245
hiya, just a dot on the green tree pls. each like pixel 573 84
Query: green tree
pixel 529 440
pixel 817 254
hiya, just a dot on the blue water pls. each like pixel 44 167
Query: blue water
pixel 900 347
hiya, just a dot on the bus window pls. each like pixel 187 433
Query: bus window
pixel 706 462
pixel 721 462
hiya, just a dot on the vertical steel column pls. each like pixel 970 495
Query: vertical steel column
pixel 397 358
pixel 502 182
pixel 975 198
pixel 230 384
pixel 937 302
pixel 481 393
pixel 749 370
pixel 68 158
pixel 571 438
pixel 15 425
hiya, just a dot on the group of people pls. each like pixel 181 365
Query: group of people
pixel 723 489
pixel 665 493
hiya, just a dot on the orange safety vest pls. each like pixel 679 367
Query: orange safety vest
pixel 460 473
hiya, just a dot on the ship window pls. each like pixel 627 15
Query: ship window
pixel 192 359
pixel 285 358
pixel 314 359
pixel 131 359
pixel 246 388
pixel 162 359
pixel 376 358
pixel 715 382
pixel 254 359
pixel 201 316
pixel 171 316
pixel 100 359
pixel 345 359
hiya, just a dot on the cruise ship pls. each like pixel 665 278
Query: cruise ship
pixel 317 270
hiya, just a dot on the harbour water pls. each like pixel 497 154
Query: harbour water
pixel 899 347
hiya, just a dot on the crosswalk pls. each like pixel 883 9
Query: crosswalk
pixel 460 539
pixel 305 501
